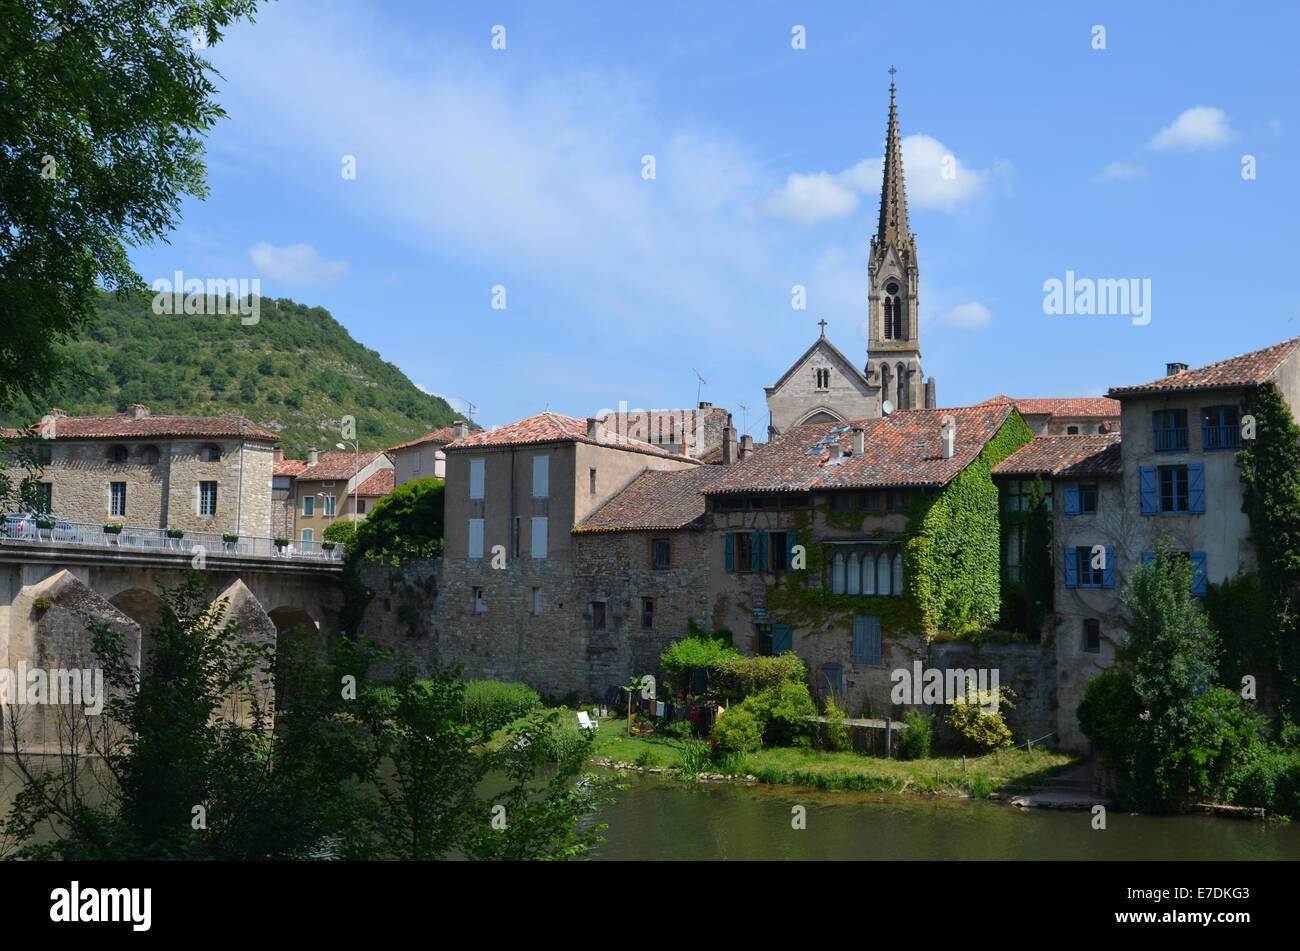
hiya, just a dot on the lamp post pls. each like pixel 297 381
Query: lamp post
pixel 356 470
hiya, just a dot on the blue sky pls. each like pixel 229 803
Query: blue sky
pixel 522 168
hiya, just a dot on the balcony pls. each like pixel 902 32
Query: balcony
pixel 1172 439
pixel 26 528
pixel 1214 438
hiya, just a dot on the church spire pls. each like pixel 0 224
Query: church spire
pixel 894 228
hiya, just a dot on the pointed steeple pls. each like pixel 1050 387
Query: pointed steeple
pixel 894 229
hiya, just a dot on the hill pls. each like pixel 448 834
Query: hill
pixel 296 372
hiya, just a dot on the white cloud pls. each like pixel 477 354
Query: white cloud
pixel 1201 127
pixel 1120 172
pixel 298 264
pixel 972 315
pixel 935 179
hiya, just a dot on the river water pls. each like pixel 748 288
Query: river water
pixel 657 818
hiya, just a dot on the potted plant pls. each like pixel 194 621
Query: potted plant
pixel 327 546
pixel 113 528
pixel 230 538
pixel 174 536
pixel 281 543
pixel 44 523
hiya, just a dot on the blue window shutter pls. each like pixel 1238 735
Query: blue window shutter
pixel 791 539
pixel 731 551
pixel 1196 487
pixel 1148 490
pixel 1198 572
pixel 1108 572
pixel 782 636
pixel 1071 568
pixel 760 551
pixel 1071 500
pixel 1148 558
pixel 866 639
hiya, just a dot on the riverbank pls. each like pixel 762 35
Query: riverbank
pixel 1010 771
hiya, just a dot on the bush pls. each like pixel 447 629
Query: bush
pixel 695 757
pixel 340 530
pixel 752 674
pixel 983 731
pixel 175 533
pixel 563 740
pixel 405 523
pixel 914 743
pixel 783 713
pixel 737 730
pixel 1267 776
pixel 836 737
pixel 498 703
pixel 42 604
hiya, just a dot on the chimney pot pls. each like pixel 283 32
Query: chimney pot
pixel 313 455
pixel 593 428
pixel 746 445
pixel 705 404
pixel 730 450
pixel 137 411
pixel 57 414
pixel 1173 369
pixel 459 429
pixel 836 452
pixel 277 455
pixel 859 441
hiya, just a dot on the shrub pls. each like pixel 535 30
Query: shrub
pixel 737 730
pixel 914 743
pixel 684 657
pixel 229 538
pixel 562 740
pixel 752 674
pixel 1267 776
pixel 984 731
pixel 281 542
pixel 42 604
pixel 498 703
pixel 114 528
pixel 175 533
pixel 836 737
pixel 783 713
pixel 695 756
pixel 340 530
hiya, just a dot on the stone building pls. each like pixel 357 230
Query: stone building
pixel 698 433
pixel 210 474
pixel 283 496
pixel 1069 416
pixel 324 490
pixel 512 605
pixel 423 458
pixel 823 385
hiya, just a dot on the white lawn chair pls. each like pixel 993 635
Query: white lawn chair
pixel 584 721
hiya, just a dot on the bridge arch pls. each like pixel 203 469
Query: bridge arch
pixel 144 607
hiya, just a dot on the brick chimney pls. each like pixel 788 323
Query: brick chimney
pixel 137 411
pixel 459 429
pixel 313 456
pixel 277 455
pixel 594 431
pixel 859 441
pixel 57 414
pixel 730 451
pixel 1173 369
pixel 746 445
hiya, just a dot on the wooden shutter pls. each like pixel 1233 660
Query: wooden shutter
pixel 1148 487
pixel 731 551
pixel 866 639
pixel 791 539
pixel 1108 572
pixel 759 552
pixel 782 638
pixel 1198 572
pixel 1196 487
pixel 1071 500
pixel 1071 568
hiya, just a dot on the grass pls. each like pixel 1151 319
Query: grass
pixel 823 770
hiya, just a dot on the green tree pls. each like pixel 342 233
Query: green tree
pixel 103 108
pixel 405 523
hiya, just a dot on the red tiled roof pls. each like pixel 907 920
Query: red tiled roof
pixel 381 483
pixel 1092 454
pixel 902 449
pixel 153 427
pixel 1060 406
pixel 337 465
pixel 1249 369
pixel 289 467
pixel 552 427
pixel 439 436
pixel 656 501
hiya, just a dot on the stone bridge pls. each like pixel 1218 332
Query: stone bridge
pixel 266 596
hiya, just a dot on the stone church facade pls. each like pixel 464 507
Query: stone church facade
pixel 823 385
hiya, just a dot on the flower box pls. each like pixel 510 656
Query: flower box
pixel 113 529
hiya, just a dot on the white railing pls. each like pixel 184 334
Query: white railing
pixel 136 537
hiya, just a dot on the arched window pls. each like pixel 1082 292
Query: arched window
pixel 151 455
pixel 902 387
pixel 893 312
pixel 898 574
pixel 889 318
pixel 853 572
pixel 837 575
pixel 882 575
pixel 868 574
pixel 117 453
pixel 884 381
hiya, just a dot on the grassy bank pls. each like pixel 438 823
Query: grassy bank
pixel 1012 770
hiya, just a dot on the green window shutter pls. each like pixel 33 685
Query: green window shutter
pixel 791 539
pixel 782 638
pixel 731 551
pixel 759 548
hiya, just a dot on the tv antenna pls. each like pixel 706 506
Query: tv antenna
pixel 700 386
pixel 744 415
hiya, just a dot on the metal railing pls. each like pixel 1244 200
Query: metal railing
pixel 141 538
pixel 1171 439
pixel 1220 437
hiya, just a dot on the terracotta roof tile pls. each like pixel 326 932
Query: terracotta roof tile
pixel 1249 369
pixel 339 464
pixel 656 501
pixel 552 427
pixel 289 467
pixel 154 427
pixel 1060 406
pixel 1090 454
pixel 381 483
pixel 902 449
pixel 438 436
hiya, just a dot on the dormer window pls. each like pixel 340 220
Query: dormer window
pixel 211 453
pixel 117 453
pixel 151 455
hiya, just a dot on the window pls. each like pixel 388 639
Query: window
pixel 1171 430
pixel 870 501
pixel 1220 428
pixel 44 453
pixel 308 506
pixel 841 502
pixel 747 551
pixel 207 498
pixel 866 639
pixel 539 537
pixel 361 506
pixel 852 574
pixel 47 497
pixel 744 552
pixel 1013 551
pixel 1081 499
pixel 330 502
pixel 537 602
pixel 476 478
pixel 661 554
pixel 598 615
pixel 832 680
pixel 327 484
pixel 591 475
pixel 1017 495
pixel 1091 635
pixel 893 313
pixel 117 454
pixel 117 494
pixel 211 454
pixel 882 575
pixel 867 572
pixel 479 604
pixel 476 538
pixel 308 536
pixel 1071 430
pixel 1083 569
pixel 764 639
pixel 837 574
pixel 898 574
pixel 1090 566
pixel 1171 489
pixel 647 613
pixel 415 461
pixel 897 500
pixel 151 455
pixel 778 547
pixel 1199 567
pixel 541 476
pixel 823 377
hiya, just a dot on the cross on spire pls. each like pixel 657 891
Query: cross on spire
pixel 822 324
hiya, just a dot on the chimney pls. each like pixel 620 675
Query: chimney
pixel 859 441
pixel 313 455
pixel 57 414
pixel 137 411
pixel 705 405
pixel 836 452
pixel 730 451
pixel 459 429
pixel 277 456
pixel 746 445
pixel 594 431
pixel 1173 369
pixel 948 435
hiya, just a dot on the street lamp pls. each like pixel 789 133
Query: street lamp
pixel 356 470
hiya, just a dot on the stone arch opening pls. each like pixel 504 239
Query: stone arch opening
pixel 144 607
